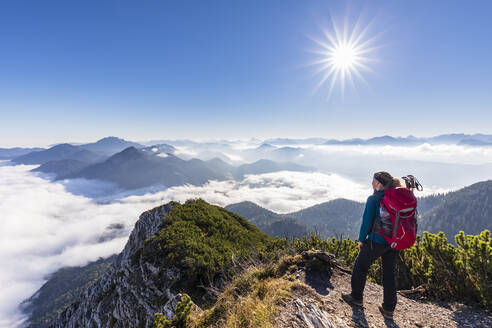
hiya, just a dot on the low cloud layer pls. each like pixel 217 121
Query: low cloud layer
pixel 439 167
pixel 452 154
pixel 443 153
pixel 281 192
pixel 44 227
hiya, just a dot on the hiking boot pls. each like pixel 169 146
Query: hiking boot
pixel 387 314
pixel 351 300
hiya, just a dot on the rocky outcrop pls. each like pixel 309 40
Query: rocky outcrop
pixel 312 316
pixel 127 295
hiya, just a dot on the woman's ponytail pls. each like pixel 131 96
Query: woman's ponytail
pixel 395 183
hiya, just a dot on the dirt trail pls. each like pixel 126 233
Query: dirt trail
pixel 318 304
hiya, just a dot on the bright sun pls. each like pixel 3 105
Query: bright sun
pixel 343 56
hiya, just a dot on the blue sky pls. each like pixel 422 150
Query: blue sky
pixel 82 70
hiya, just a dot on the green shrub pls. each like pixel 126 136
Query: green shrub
pixel 183 309
pixel 206 242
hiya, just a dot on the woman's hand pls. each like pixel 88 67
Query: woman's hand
pixel 360 245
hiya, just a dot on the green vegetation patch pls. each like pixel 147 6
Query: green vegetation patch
pixel 205 242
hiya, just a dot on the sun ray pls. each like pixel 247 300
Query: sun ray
pixel 351 80
pixel 363 66
pixel 325 77
pixel 332 83
pixel 331 39
pixel 355 30
pixel 321 43
pixel 365 30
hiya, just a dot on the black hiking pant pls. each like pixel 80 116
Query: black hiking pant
pixel 368 253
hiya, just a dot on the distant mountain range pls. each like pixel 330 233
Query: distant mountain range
pixel 267 166
pixel 87 153
pixel 271 223
pixel 67 160
pixel 468 209
pixel 9 153
pixel 332 218
pixel 111 145
pixel 457 138
pixel 57 153
pixel 135 168
pixel 61 168
pixel 131 165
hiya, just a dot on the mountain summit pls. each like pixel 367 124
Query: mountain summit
pixel 86 153
pixel 59 152
pixel 110 145
pixel 133 168
pixel 173 248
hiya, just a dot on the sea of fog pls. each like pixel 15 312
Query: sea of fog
pixel 47 225
pixel 439 167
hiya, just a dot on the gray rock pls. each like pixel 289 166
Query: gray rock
pixel 127 295
pixel 313 317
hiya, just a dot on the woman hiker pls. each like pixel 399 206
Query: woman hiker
pixel 372 245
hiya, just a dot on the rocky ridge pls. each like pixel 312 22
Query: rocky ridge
pixel 121 298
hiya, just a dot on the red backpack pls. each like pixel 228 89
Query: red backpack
pixel 398 213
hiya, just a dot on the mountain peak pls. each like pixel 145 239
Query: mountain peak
pixel 64 146
pixel 57 152
pixel 173 248
pixel 215 160
pixel 110 145
pixel 265 146
pixel 112 140
pixel 129 153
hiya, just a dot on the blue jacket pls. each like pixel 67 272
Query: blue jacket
pixel 371 212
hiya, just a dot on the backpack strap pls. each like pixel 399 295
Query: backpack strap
pixel 375 227
pixel 395 228
pixel 398 216
pixel 378 195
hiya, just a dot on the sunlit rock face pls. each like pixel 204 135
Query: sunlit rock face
pixel 127 295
